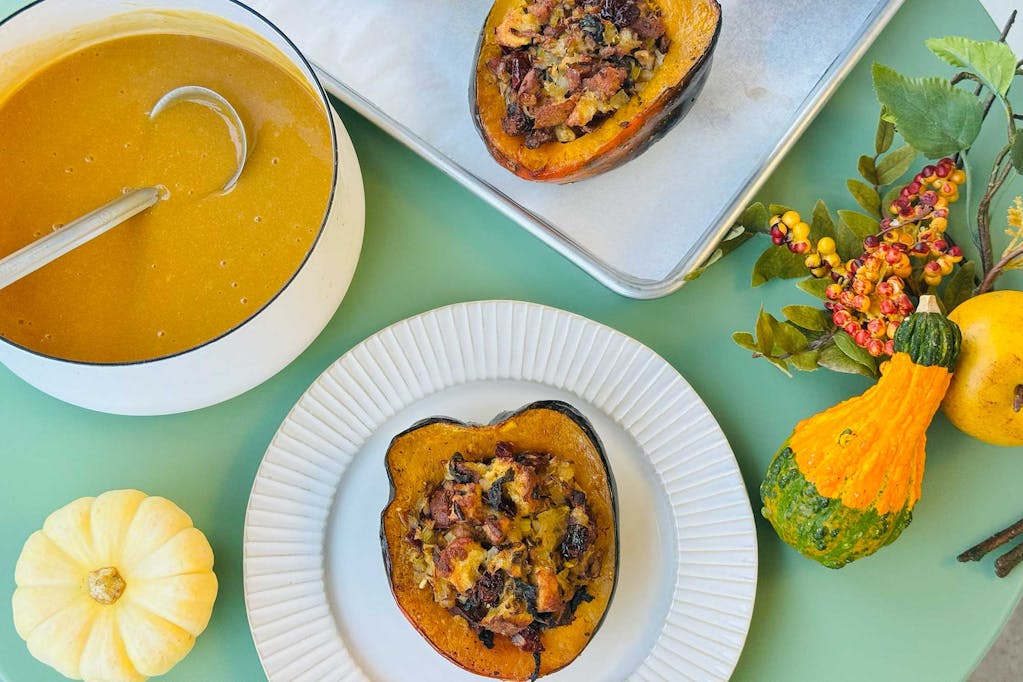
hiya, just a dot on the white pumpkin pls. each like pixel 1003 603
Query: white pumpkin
pixel 114 588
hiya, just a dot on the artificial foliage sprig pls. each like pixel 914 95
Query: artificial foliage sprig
pixel 870 266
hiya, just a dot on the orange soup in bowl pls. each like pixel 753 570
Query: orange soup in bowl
pixel 77 132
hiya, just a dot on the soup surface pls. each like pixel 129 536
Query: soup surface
pixel 77 133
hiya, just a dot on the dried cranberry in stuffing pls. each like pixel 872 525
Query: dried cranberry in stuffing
pixel 577 540
pixel 488 588
pixel 517 64
pixel 539 137
pixel 515 123
pixel 528 640
pixel 621 13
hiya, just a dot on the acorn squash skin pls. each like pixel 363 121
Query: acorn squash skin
pixel 416 459
pixel 692 25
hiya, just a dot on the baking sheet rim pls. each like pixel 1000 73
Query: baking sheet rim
pixel 614 279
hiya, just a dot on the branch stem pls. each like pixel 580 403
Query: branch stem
pixel 813 345
pixel 1008 561
pixel 977 552
pixel 995 181
pixel 997 268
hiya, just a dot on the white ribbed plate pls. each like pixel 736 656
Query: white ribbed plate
pixel 316 594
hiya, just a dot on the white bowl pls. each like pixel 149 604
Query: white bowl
pixel 273 336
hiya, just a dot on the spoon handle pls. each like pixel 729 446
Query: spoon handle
pixel 54 245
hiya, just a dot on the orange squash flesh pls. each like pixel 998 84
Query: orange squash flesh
pixel 416 461
pixel 693 27
pixel 847 465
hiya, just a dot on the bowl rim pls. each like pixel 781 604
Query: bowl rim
pixel 302 62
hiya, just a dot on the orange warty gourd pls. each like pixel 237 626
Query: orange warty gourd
pixel 845 482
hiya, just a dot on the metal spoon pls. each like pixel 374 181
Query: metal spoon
pixel 214 101
pixel 54 245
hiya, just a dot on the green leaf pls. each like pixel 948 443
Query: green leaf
pixel 1016 151
pixel 895 164
pixel 822 225
pixel 931 115
pixel 806 317
pixel 867 169
pixel 755 218
pixel 832 357
pixel 865 195
pixel 806 361
pixel 780 364
pixel 777 261
pixel 855 353
pixel 814 286
pixel 746 340
pixel 853 227
pixel 992 61
pixel 885 134
pixel 788 339
pixel 735 238
pixel 734 233
pixel 711 259
pixel 714 257
pixel 778 209
pixel 765 333
pixel 960 286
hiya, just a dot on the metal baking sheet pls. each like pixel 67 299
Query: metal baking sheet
pixel 406 64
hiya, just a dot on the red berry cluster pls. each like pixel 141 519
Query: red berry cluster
pixel 789 229
pixel 868 295
pixel 924 204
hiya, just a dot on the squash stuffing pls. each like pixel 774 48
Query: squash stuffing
pixel 565 89
pixel 500 541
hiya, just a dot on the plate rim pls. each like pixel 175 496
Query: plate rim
pixel 750 533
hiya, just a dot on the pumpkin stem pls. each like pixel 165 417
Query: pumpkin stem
pixel 1017 398
pixel 106 585
pixel 928 304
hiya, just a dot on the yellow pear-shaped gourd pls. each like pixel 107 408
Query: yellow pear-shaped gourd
pixel 114 588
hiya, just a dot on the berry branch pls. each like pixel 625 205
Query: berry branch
pixel 871 266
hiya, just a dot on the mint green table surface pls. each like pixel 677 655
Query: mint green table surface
pixel 909 613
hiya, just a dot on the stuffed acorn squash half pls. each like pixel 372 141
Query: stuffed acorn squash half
pixel 500 541
pixel 566 89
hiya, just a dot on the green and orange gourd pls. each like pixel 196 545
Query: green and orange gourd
pixel 843 485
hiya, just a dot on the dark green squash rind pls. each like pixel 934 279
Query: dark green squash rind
pixel 819 527
pixel 929 339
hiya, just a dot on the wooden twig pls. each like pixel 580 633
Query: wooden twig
pixel 1008 561
pixel 976 552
